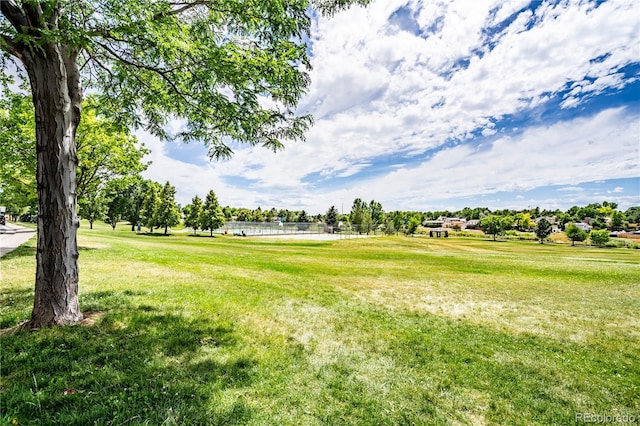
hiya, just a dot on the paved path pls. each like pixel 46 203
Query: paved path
pixel 13 236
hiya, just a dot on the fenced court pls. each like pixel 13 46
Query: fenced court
pixel 293 229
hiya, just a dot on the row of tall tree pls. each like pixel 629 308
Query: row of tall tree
pixel 368 216
pixel 139 201
pixel 600 215
pixel 205 216
pixel 496 225
pixel 242 214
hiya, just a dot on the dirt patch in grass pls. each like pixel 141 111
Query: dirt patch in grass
pixel 90 317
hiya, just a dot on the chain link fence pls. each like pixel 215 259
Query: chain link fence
pixel 294 228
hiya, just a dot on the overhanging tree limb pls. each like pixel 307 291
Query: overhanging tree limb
pixel 11 46
pixel 14 15
pixel 158 60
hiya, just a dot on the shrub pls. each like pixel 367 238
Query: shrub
pixel 599 237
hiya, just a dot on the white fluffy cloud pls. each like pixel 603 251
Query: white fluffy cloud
pixel 410 78
pixel 561 154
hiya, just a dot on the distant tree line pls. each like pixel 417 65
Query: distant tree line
pixel 135 200
pixel 110 188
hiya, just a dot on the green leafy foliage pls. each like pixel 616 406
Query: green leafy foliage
pixel 377 213
pixel 17 153
pixel 599 237
pixel 192 214
pixel 106 151
pixel 244 215
pixel 397 219
pixel 543 229
pixel 257 215
pixel 150 205
pixel 633 214
pixel 302 217
pixel 617 219
pixel 211 217
pixel 575 234
pixel 167 213
pixel 495 225
pixel 358 211
pixel 93 207
pixel 331 217
pixel 366 216
pixel 412 225
pixel 233 70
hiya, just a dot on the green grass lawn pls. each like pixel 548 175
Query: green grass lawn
pixel 394 330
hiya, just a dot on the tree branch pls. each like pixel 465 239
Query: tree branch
pixel 9 45
pixel 161 73
pixel 14 14
pixel 184 8
pixel 33 14
pixel 53 17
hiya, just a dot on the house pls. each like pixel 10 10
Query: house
pixel 472 224
pixel 584 226
pixel 454 222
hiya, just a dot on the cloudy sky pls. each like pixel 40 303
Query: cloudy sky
pixel 439 104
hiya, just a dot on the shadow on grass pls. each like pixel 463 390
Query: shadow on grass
pixel 135 365
pixel 155 234
pixel 29 250
pixel 25 250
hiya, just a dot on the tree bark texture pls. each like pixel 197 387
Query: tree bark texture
pixel 57 97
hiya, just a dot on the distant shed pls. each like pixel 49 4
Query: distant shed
pixel 439 232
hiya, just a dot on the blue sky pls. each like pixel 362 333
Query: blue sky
pixel 432 105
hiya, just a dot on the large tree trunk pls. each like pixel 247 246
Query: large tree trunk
pixel 57 96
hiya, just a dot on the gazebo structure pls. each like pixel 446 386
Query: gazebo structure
pixel 439 232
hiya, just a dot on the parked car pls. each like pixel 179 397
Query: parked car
pixel 3 221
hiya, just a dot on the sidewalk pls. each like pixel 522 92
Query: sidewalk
pixel 13 236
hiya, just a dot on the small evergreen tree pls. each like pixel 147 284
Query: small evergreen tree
pixel 331 217
pixel 543 229
pixel 149 207
pixel 302 217
pixel 357 212
pixel 212 216
pixel 192 217
pixel 168 213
